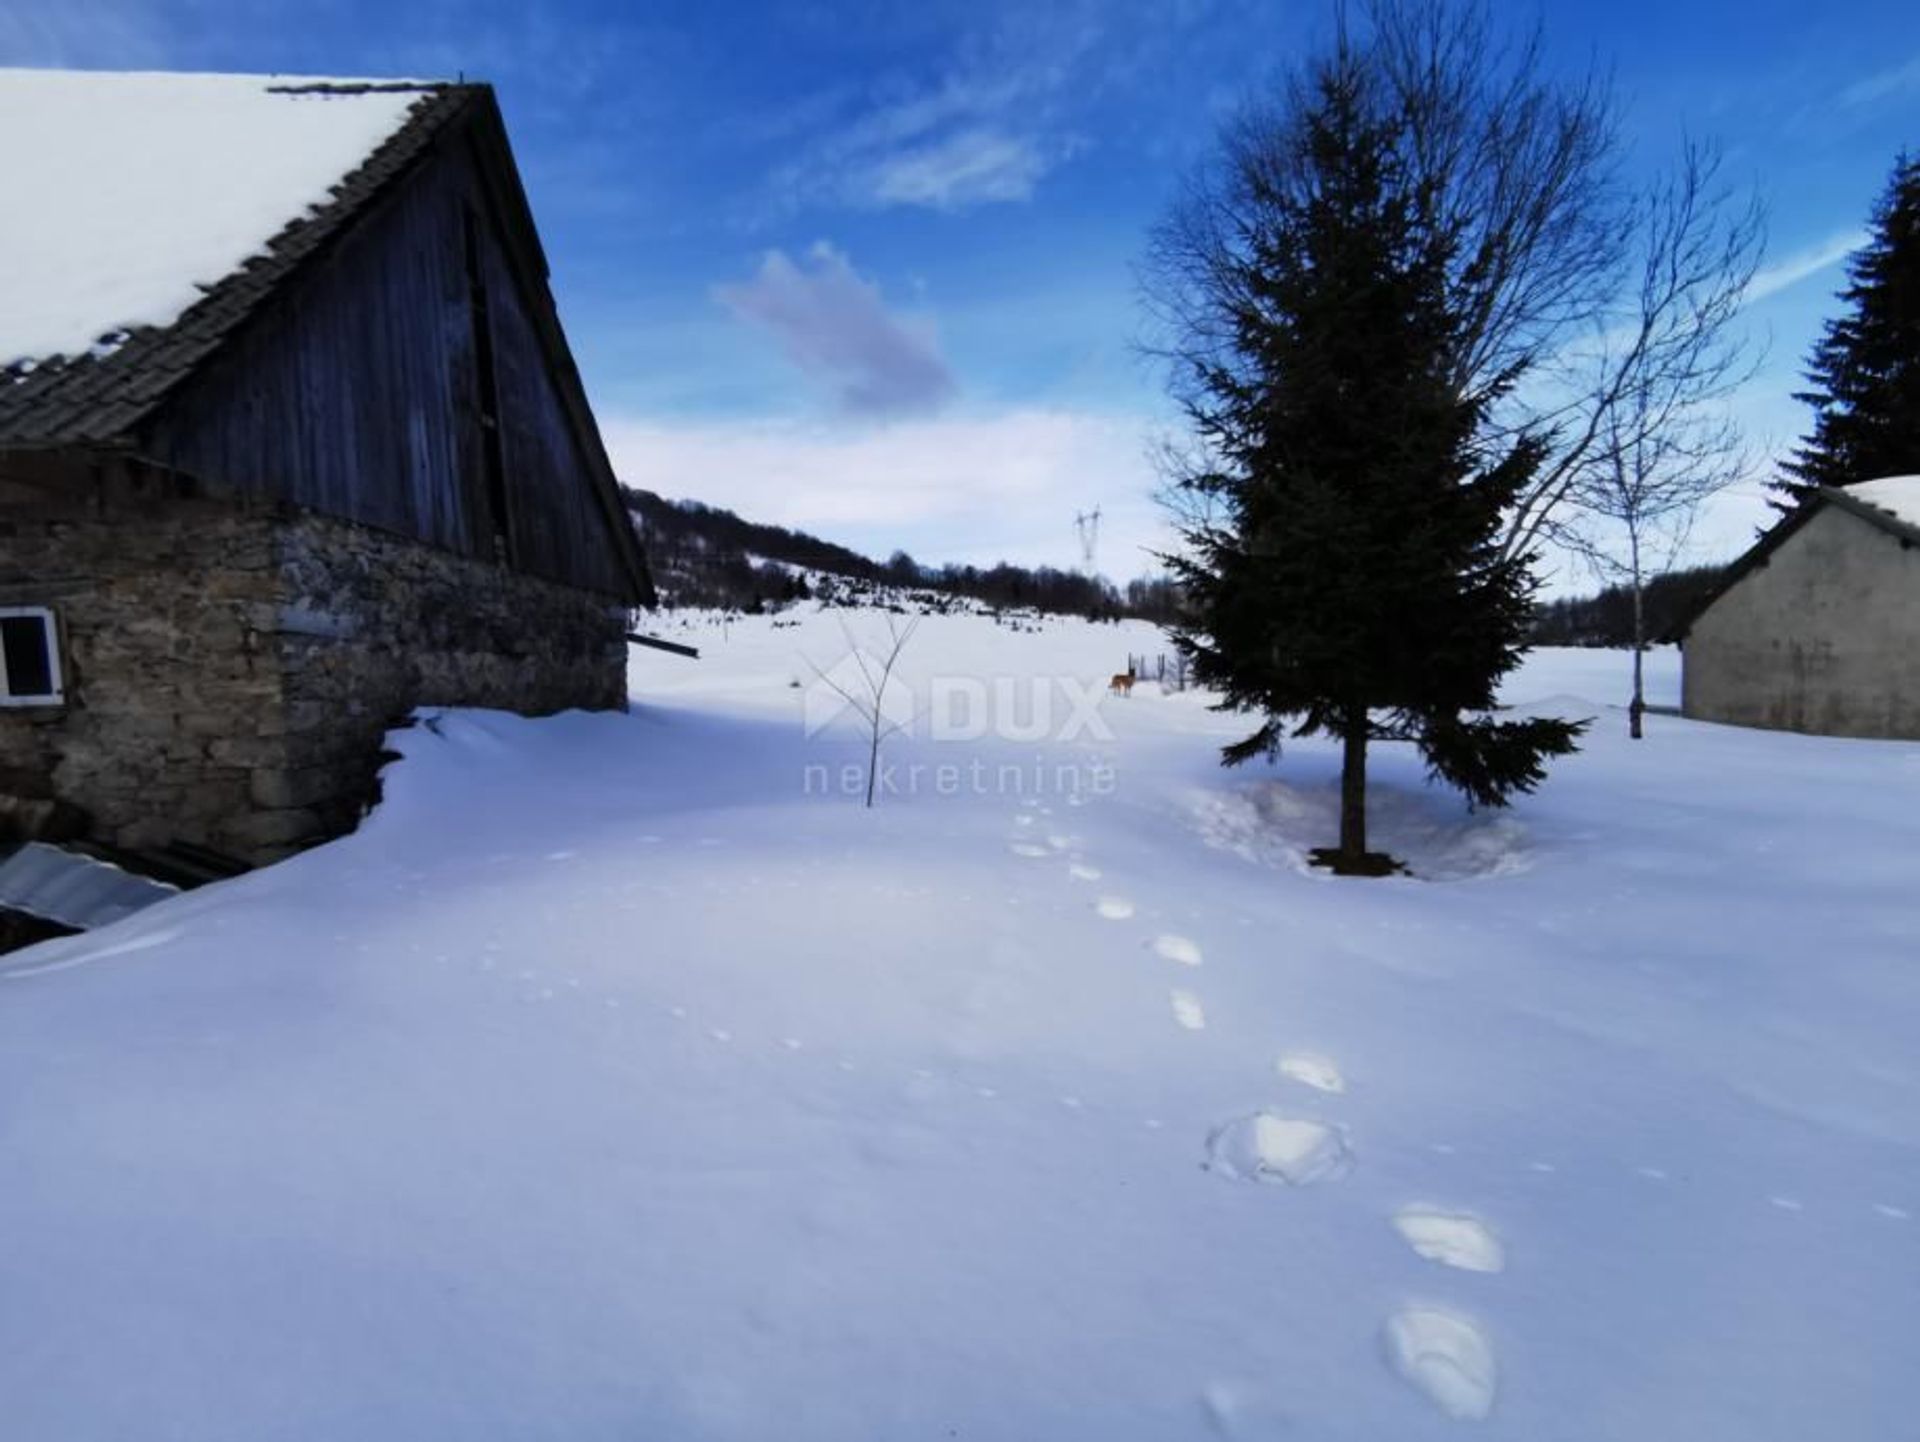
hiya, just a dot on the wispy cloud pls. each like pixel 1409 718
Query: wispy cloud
pixel 832 323
pixel 962 144
pixel 1882 84
pixel 987 128
pixel 1809 262
pixel 975 167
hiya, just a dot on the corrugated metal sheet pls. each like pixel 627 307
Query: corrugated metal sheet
pixel 72 889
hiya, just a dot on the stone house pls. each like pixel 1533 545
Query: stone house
pixel 291 443
pixel 1817 628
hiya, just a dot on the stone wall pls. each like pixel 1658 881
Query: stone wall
pixel 230 671
pixel 371 626
pixel 1824 637
pixel 161 603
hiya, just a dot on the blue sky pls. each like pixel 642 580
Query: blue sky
pixel 868 267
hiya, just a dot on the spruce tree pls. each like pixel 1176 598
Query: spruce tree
pixel 1865 370
pixel 1344 568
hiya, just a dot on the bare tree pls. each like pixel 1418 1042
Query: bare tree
pixel 868 698
pixel 1523 170
pixel 1664 444
pixel 1517 168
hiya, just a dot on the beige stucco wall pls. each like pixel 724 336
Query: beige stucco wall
pixel 1824 637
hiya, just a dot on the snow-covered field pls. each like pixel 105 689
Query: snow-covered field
pixel 624 1079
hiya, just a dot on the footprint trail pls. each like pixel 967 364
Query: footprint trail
pixel 1445 1357
pixel 1188 1011
pixel 1269 1147
pixel 1312 1069
pixel 1452 1239
pixel 1176 949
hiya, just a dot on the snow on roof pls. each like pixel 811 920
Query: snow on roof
pixel 127 193
pixel 1899 496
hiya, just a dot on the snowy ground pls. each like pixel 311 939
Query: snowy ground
pixel 619 1081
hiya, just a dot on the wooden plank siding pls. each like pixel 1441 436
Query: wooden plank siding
pixel 356 393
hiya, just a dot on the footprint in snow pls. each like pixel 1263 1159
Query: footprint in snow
pixel 1080 871
pixel 1451 1239
pixel 1312 1069
pixel 1176 949
pixel 1114 908
pixel 1188 1011
pixel 1027 849
pixel 1060 843
pixel 1445 1357
pixel 1269 1147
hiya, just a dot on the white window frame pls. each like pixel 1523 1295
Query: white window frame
pixel 55 697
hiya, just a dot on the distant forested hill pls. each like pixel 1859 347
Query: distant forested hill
pixel 705 556
pixel 1607 619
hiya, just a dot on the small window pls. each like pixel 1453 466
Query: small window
pixel 29 657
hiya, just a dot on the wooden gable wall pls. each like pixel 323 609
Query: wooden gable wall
pixel 360 391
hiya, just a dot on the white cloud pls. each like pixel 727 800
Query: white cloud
pixel 963 144
pixel 985 131
pixel 974 167
pixel 1799 266
pixel 833 324
pixel 971 489
pixel 1897 80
